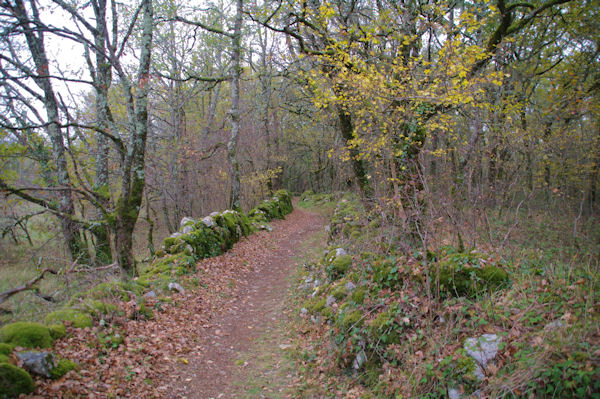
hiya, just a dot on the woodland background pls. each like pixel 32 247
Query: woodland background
pixel 475 123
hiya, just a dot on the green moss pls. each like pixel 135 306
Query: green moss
pixel 386 274
pixel 77 318
pixel 27 335
pixel 327 313
pixel 358 295
pixel 384 328
pixel 63 366
pixel 4 359
pixel 14 381
pixel 113 290
pixel 99 309
pixel 57 330
pixel 178 264
pixel 174 245
pixel 144 311
pixel 143 282
pixel 316 305
pixel 340 292
pixel 468 278
pixel 5 349
pixel 354 319
pixel 339 266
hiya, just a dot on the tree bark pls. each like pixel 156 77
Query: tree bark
pixel 35 43
pixel 132 187
pixel 234 113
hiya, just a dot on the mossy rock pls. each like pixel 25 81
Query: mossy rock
pixel 358 296
pixel 174 245
pixel 114 289
pixel 339 266
pixel 77 318
pixel 62 367
pixel 469 280
pixel 5 349
pixel 26 335
pixel 57 330
pixel 353 319
pixel 306 196
pixel 179 264
pixel 285 201
pixel 14 381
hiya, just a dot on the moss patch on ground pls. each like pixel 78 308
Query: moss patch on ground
pixel 26 335
pixel 75 317
pixel 14 381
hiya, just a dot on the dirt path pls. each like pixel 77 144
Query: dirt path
pixel 227 358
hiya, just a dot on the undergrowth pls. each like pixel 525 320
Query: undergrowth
pixel 399 326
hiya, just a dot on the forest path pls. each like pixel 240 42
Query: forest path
pixel 237 350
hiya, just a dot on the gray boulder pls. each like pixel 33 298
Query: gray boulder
pixel 187 229
pixel 340 252
pixel 40 363
pixel 483 349
pixel 350 286
pixel 330 300
pixel 208 221
pixel 186 221
pixel 359 360
pixel 150 294
pixel 176 287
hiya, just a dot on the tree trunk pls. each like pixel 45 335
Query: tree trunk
pixel 234 113
pixel 35 42
pixel 102 184
pixel 132 188
pixel 358 165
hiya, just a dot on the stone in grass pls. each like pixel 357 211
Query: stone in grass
pixel 77 318
pixel 483 349
pixel 26 335
pixel 14 381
